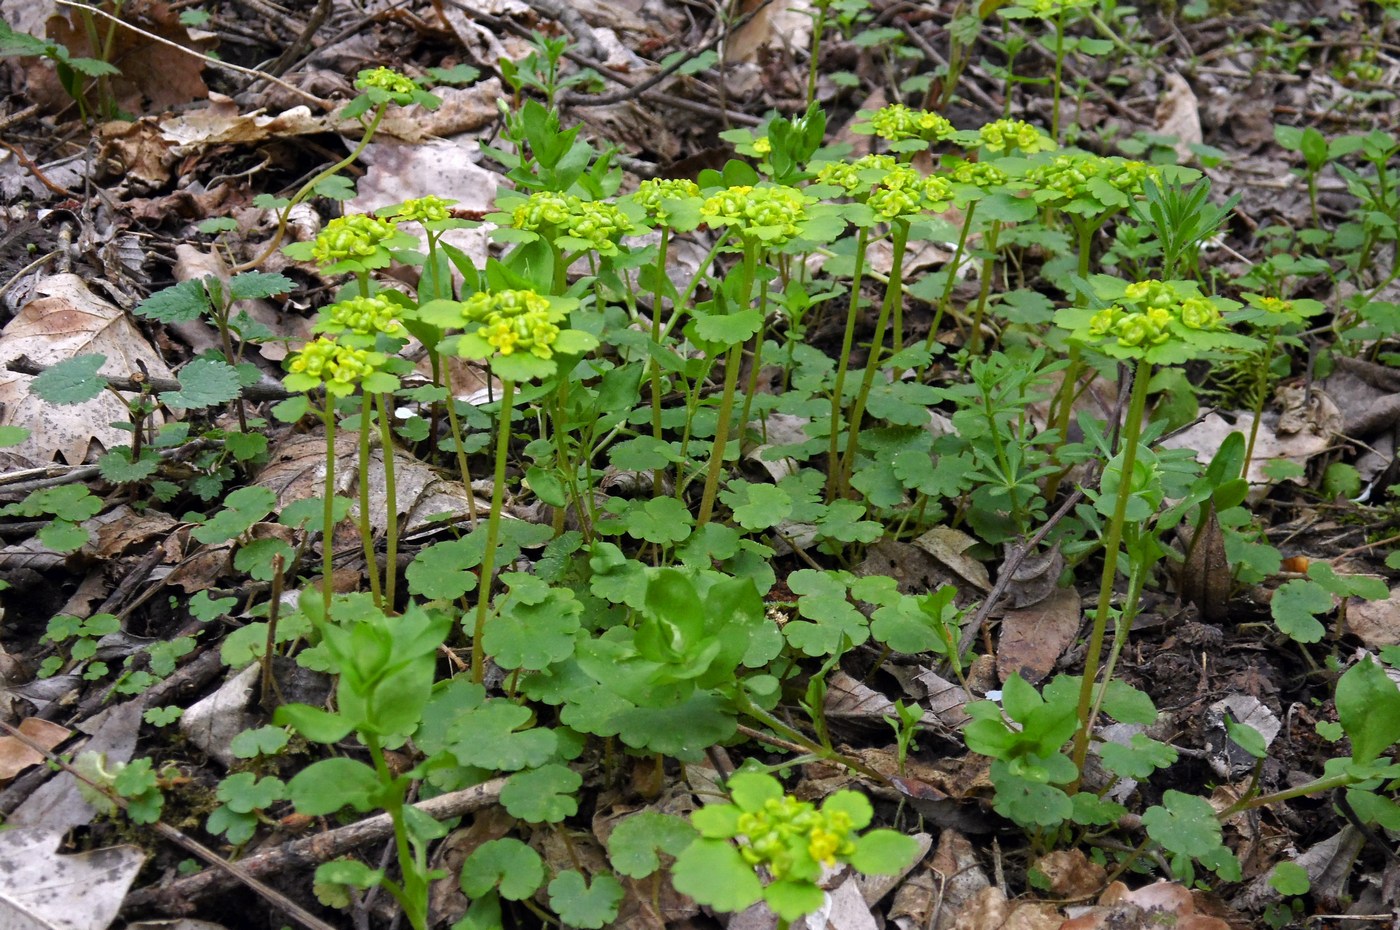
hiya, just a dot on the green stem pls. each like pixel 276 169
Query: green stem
pixel 391 522
pixel 457 442
pixel 974 347
pixel 658 475
pixel 758 714
pixel 1059 72
pixel 893 292
pixel 952 270
pixel 1132 429
pixel 842 364
pixel 814 54
pixel 726 402
pixel 367 531
pixel 1316 786
pixel 493 529
pixel 412 895
pixel 1260 387
pixel 307 189
pixel 757 364
pixel 328 508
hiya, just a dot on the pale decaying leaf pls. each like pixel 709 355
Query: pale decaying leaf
pixel 1033 638
pixel 1178 114
pixel 1070 874
pixel 1226 758
pixel 1307 428
pixel 71 320
pixel 41 890
pixel 1375 623
pixel 212 722
pixel 17 755
pixel 1159 904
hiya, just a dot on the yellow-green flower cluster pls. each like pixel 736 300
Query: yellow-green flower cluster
pixel 364 316
pixel 773 830
pixel 1006 135
pixel 515 321
pixel 653 193
pixel 387 80
pixel 1069 175
pixel 773 214
pixel 339 367
pixel 596 222
pixel 429 209
pixel 904 191
pixel 856 176
pixel 354 237
pixel 1050 9
pixel 763 146
pixel 896 122
pixel 1144 316
pixel 981 174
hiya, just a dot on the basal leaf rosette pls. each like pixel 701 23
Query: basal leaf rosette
pixel 1163 322
pixel 521 333
pixel 339 368
pixel 1089 185
pixel 670 202
pixel 355 243
pixel 571 223
pixel 790 840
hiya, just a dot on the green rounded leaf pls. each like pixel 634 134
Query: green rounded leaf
pixel 713 873
pixel 507 864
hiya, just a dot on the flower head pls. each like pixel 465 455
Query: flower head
pixel 897 122
pixel 363 316
pixel 339 367
pixel 859 176
pixel 1164 321
pixel 1089 184
pixel 428 209
pixel 519 331
pixel 772 214
pixel 784 827
pixel 653 193
pixel 594 224
pixel 1007 135
pixel 358 238
pixel 398 87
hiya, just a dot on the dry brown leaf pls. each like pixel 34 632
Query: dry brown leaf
pixel 16 756
pixel 1070 874
pixel 947 545
pixel 153 76
pixel 137 152
pixel 1205 578
pixel 71 320
pixel 1032 638
pixel 1036 578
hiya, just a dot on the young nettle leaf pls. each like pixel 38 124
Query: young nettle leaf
pixel 204 382
pixel 580 904
pixel 117 467
pixel 181 303
pixel 72 381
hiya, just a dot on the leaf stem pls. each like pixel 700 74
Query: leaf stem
pixel 493 529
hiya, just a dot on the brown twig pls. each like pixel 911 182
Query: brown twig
pixel 179 896
pixel 228 870
pixel 256 392
pixel 38 173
